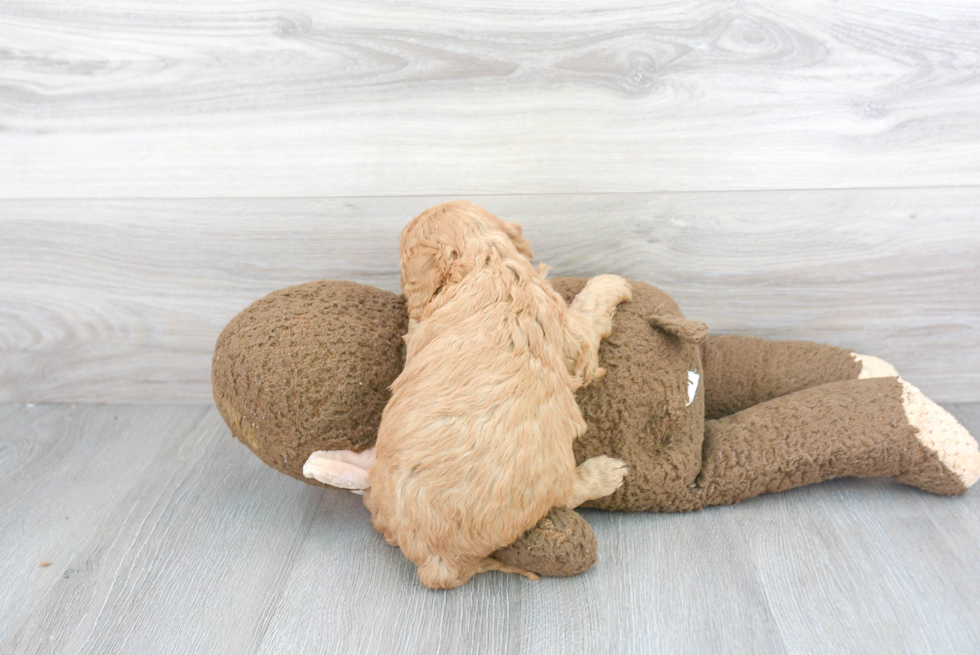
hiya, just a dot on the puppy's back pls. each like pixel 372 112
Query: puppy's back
pixel 475 444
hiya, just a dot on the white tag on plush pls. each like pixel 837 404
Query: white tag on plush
pixel 692 386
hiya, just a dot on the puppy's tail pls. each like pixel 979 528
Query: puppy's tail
pixel 435 572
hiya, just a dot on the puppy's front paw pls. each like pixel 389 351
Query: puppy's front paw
pixel 610 473
pixel 612 288
pixel 598 477
pixel 624 292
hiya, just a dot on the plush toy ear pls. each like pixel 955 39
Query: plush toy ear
pixel 680 327
pixel 344 469
pixel 516 235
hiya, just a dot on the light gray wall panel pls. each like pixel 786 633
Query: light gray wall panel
pixel 140 98
pixel 121 300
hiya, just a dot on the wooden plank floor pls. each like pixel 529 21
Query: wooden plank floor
pixel 164 535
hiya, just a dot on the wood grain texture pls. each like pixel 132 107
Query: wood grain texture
pixel 122 300
pixel 191 558
pixel 845 564
pixel 179 540
pixel 647 594
pixel 60 469
pixel 300 98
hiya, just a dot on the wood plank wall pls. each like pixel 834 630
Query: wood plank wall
pixel 785 169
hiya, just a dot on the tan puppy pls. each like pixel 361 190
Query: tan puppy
pixel 475 445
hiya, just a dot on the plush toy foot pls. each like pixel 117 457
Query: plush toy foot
pixel 936 429
pixel 939 432
pixel 341 468
pixel 596 477
pixel 874 367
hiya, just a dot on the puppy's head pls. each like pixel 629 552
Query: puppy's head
pixel 444 243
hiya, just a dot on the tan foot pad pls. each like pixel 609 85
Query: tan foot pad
pixel 941 433
pixel 874 367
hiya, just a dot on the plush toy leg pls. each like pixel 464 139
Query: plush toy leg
pixel 740 372
pixel 863 428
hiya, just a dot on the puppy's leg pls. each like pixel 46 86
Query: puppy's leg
pixel 597 303
pixel 491 564
pixel 436 573
pixel 596 477
pixel 590 321
pixel 377 521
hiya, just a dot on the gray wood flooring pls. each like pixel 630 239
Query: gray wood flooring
pixel 162 534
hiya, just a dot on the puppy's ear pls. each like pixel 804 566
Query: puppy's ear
pixel 425 271
pixel 513 231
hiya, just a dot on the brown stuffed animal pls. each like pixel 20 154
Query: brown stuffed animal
pixel 301 377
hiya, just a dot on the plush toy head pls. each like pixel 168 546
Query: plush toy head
pixel 308 368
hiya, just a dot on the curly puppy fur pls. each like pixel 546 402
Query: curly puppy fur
pixel 475 445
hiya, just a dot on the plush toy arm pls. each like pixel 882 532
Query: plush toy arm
pixel 560 545
pixel 344 469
